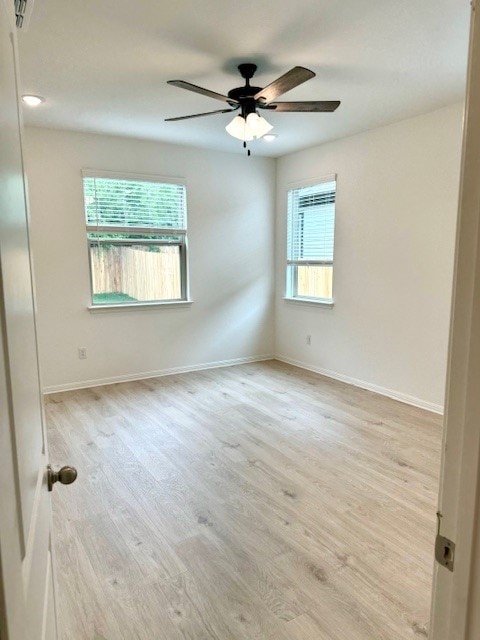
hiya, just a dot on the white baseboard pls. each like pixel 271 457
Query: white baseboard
pixel 402 397
pixel 383 391
pixel 85 384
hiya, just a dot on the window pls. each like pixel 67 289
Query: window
pixel 310 239
pixel 136 230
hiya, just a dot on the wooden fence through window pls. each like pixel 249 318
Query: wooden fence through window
pixel 137 272
pixel 314 282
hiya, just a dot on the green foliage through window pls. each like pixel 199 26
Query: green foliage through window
pixel 133 203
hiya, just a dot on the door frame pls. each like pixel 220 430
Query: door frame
pixel 455 613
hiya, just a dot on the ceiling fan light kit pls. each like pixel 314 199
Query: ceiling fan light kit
pixel 249 124
pixel 250 128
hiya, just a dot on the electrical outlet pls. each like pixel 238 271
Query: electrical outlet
pixel 82 353
pixel 309 340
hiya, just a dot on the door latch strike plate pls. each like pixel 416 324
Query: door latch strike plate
pixel 445 552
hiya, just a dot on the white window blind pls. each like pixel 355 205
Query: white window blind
pixel 118 203
pixel 310 240
pixel 311 223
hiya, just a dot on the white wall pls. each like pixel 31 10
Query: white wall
pixel 230 228
pixel 396 214
pixel 397 190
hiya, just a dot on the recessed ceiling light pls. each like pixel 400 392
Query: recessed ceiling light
pixel 270 137
pixel 32 101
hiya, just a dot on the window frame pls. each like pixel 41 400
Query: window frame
pixel 183 246
pixel 291 266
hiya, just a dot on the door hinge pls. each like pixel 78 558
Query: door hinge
pixel 444 548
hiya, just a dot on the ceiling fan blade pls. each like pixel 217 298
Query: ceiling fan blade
pixel 199 115
pixel 204 92
pixel 325 105
pixel 289 80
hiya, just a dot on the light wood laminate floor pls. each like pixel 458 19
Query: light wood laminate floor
pixel 252 502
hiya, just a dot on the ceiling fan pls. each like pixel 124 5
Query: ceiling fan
pixel 249 124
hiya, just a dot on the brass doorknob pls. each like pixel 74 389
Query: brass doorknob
pixel 65 475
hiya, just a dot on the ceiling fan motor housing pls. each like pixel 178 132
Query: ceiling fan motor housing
pixel 244 95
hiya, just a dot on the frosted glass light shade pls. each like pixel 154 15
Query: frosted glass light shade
pixel 238 129
pixel 258 125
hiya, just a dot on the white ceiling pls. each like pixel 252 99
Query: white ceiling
pixel 102 65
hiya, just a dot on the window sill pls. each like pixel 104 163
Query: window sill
pixel 310 301
pixel 105 308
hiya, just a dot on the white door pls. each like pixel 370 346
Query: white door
pixel 26 580
pixel 455 608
